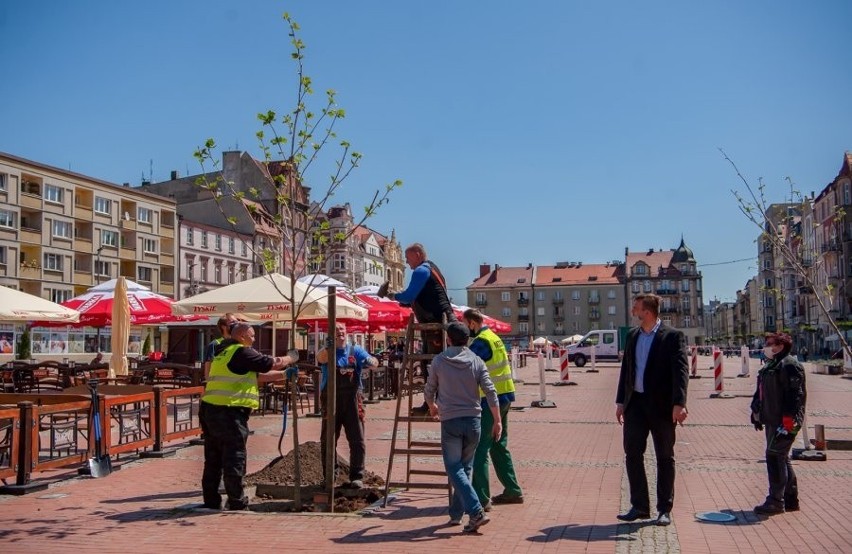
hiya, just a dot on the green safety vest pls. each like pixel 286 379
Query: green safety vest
pixel 225 388
pixel 498 366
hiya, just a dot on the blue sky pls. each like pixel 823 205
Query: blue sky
pixel 536 131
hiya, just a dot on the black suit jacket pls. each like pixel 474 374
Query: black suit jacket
pixel 666 373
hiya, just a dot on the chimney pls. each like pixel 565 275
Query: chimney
pixel 484 269
pixel 175 175
pixel 529 265
pixel 650 251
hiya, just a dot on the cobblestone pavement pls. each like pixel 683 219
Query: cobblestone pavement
pixel 569 461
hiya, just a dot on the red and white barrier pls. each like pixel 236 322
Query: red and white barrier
pixel 564 372
pixel 744 363
pixel 719 376
pixel 543 402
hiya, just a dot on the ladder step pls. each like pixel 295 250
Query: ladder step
pixel 420 357
pixel 418 451
pixel 428 326
pixel 427 444
pixel 403 484
pixel 434 472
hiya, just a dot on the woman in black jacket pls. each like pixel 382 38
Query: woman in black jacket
pixel 778 407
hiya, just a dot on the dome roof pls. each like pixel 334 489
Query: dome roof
pixel 683 253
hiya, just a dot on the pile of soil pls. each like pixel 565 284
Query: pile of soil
pixel 282 471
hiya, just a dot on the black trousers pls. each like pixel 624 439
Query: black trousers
pixel 225 434
pixel 348 416
pixel 640 418
pixel 783 485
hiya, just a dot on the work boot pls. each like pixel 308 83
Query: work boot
pixel 769 508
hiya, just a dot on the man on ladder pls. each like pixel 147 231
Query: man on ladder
pixel 427 296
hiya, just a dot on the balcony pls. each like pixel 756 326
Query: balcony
pixel 523 317
pixel 30 201
pixel 28 271
pixel 523 301
pixel 594 315
pixel 594 300
pixel 559 318
pixel 167 258
pixel 127 224
pixel 83 245
pixel 127 253
pixel 83 212
pixel 831 246
pixel 669 310
pixel 83 278
pixel 167 289
pixel 166 231
pixel 666 291
pixel 30 235
pixel 688 310
pixel 558 301
pixel 481 302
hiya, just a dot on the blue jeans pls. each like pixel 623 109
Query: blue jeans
pixel 459 438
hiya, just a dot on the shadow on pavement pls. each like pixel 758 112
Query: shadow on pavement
pixel 422 534
pixel 150 497
pixel 589 533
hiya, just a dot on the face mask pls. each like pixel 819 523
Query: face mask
pixel 769 351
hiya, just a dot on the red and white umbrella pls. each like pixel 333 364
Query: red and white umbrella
pixel 146 307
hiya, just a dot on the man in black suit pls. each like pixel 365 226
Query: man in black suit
pixel 651 398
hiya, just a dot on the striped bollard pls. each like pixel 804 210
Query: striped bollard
pixel 549 353
pixel 744 364
pixel 543 402
pixel 718 376
pixel 564 373
pixel 693 363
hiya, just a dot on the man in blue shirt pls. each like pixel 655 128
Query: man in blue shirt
pixel 427 295
pixel 349 408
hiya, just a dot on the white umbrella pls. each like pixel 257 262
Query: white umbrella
pixel 541 341
pixel 572 339
pixel 321 280
pixel 20 306
pixel 266 298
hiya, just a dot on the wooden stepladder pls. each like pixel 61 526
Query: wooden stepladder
pixel 407 445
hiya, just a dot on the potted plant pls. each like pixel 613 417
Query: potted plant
pixel 23 352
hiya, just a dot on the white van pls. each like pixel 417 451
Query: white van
pixel 606 347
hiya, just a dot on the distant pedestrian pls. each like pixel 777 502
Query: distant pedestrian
pixel 778 409
pixel 454 382
pixel 804 352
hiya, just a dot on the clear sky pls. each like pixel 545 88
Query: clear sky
pixel 537 131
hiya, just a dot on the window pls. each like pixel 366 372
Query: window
pixel 611 310
pixel 102 268
pixel 523 296
pixel 480 297
pixel 230 274
pixel 539 310
pixel 144 215
pixel 523 311
pixel 540 295
pixel 53 262
pixel 639 269
pixel 7 219
pixel 540 326
pixel 647 286
pixel 145 274
pixel 523 327
pixel 203 239
pixel 245 248
pixel 594 296
pixel 3 252
pixel 610 294
pixel 556 295
pixel 575 325
pixel 687 321
pixel 767 263
pixel 54 194
pixel 609 338
pixel 62 229
pixel 4 179
pixel 576 310
pixel 846 200
pixel 505 296
pixel 218 242
pixel 109 238
pixel 149 246
pixel 684 285
pixel 217 272
pixel 189 236
pixel 58 295
pixel 507 312
pixel 203 265
pixel 338 262
pixel 575 295
pixel 230 245
pixel 635 287
pixel 102 205
pixel 698 286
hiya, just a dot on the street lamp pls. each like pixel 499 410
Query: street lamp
pixel 98 264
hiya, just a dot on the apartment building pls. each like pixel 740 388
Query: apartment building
pixel 673 275
pixel 355 254
pixel 506 293
pixel 62 232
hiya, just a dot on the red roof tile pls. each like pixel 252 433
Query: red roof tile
pixel 505 277
pixel 583 274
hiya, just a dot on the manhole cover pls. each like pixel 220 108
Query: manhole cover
pixel 53 496
pixel 715 517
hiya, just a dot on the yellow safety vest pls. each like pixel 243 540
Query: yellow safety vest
pixel 225 388
pixel 498 366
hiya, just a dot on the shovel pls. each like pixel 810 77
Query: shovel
pixel 99 466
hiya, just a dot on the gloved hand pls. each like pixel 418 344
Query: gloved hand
pixel 788 424
pixel 293 354
pixel 291 373
pixel 758 426
pixel 383 290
